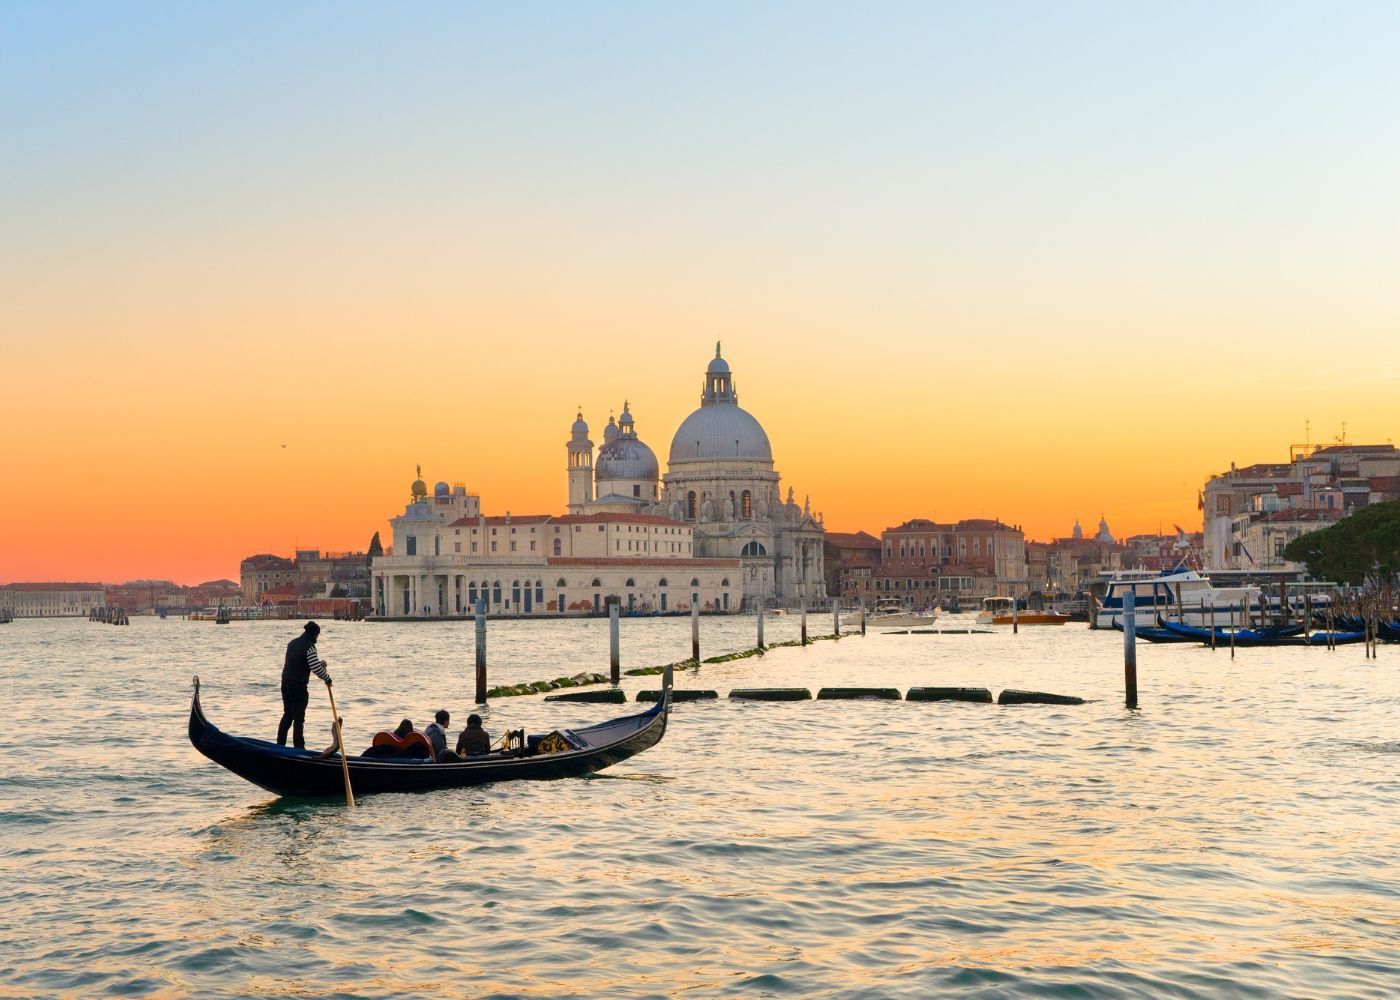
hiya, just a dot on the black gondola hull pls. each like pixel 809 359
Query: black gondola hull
pixel 290 772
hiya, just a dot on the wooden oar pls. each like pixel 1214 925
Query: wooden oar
pixel 340 741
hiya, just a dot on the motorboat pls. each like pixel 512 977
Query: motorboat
pixel 1003 611
pixel 888 611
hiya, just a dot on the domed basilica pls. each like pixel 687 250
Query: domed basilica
pixel 713 533
pixel 720 480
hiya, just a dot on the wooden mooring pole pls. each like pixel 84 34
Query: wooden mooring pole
pixel 836 617
pixel 614 644
pixel 804 619
pixel 695 633
pixel 1130 647
pixel 760 625
pixel 481 652
pixel 862 616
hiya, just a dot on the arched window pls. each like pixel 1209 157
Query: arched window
pixel 754 549
pixel 631 582
pixel 692 507
pixel 596 582
pixel 496 592
pixel 724 582
pixel 695 582
pixel 561 583
pixel 558 547
pixel 471 593
pixel 746 510
pixel 515 592
pixel 662 582
pixel 539 593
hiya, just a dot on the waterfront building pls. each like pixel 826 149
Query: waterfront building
pixel 1250 514
pixel 52 600
pixel 538 564
pixel 716 515
pixel 268 579
pixel 263 572
pixel 851 561
pixel 1063 567
pixel 925 563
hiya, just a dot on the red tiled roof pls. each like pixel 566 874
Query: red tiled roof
pixel 917 524
pixel 1335 449
pixel 1385 484
pixel 1289 489
pixel 1315 514
pixel 617 518
pixel 264 560
pixel 1268 469
pixel 984 523
pixel 696 563
pixel 52 586
pixel 852 540
pixel 496 522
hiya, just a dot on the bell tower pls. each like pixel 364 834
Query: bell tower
pixel 580 466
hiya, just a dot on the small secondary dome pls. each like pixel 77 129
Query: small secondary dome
pixel 442 490
pixel 624 455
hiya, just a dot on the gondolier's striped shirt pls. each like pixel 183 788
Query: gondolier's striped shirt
pixel 316 666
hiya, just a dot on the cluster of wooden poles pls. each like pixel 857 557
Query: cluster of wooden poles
pixel 615 637
pixel 109 616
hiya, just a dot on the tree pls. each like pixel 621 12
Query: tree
pixel 375 548
pixel 1363 547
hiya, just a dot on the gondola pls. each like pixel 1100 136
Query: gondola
pixel 290 772
pixel 1246 637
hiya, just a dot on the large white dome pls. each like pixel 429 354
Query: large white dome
pixel 720 429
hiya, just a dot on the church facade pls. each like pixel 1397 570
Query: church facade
pixel 714 531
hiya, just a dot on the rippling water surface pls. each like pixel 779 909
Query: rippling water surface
pixel 1236 837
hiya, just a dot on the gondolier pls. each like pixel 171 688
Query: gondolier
pixel 300 663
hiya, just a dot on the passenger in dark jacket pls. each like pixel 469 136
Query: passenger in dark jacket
pixel 473 739
pixel 300 663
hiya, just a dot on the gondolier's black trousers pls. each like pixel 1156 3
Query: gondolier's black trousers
pixel 294 699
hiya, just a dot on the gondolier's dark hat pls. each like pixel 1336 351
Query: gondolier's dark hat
pixel 313 628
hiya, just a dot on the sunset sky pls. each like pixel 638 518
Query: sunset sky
pixel 1033 261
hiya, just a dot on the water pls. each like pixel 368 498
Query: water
pixel 1234 838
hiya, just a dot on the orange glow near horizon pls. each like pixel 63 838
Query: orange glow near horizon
pixel 174 466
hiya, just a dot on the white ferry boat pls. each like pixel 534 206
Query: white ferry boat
pixel 1182 595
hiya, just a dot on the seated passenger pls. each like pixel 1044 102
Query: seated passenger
pixel 436 732
pixel 402 742
pixel 473 739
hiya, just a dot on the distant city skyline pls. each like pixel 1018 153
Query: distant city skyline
pixel 1016 262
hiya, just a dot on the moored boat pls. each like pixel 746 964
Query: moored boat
pixel 1290 635
pixel 889 611
pixel 290 772
pixel 1003 611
